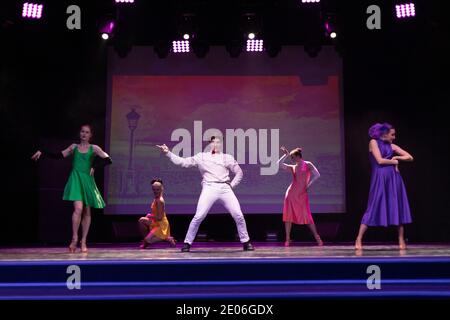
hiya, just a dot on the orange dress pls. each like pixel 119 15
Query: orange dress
pixel 162 226
pixel 296 203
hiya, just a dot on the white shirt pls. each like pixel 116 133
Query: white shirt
pixel 212 167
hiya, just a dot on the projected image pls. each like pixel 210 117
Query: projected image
pixel 254 115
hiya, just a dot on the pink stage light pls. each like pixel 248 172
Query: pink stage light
pixel 124 1
pixel 180 46
pixel 32 10
pixel 405 10
pixel 107 30
pixel 255 45
pixel 310 1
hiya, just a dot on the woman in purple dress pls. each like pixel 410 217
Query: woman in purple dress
pixel 388 202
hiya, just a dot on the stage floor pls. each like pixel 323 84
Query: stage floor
pixel 219 251
pixel 224 270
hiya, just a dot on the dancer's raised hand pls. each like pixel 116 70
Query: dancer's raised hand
pixel 36 156
pixel 284 150
pixel 163 148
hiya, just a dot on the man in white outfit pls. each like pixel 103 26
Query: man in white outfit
pixel 214 167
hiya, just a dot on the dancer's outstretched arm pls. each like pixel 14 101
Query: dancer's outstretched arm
pixel 238 174
pixel 281 163
pixel 373 147
pixel 54 155
pixel 101 160
pixel 179 161
pixel 314 173
pixel 402 154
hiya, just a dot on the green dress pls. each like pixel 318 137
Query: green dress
pixel 81 185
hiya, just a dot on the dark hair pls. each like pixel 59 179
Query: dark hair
pixel 89 126
pixel 296 152
pixel 157 180
pixel 213 137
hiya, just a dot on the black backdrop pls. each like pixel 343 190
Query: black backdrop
pixel 53 80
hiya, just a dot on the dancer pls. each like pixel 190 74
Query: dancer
pixel 296 202
pixel 80 187
pixel 155 226
pixel 214 167
pixel 388 202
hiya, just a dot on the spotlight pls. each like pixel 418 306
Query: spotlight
pixel 106 31
pixel 180 46
pixel 310 1
pixel 406 10
pixel 186 36
pixel 32 10
pixel 251 36
pixel 124 1
pixel 330 27
pixel 255 45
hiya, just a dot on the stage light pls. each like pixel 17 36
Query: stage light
pixel 186 36
pixel 32 10
pixel 124 1
pixel 106 31
pixel 406 10
pixel 251 36
pixel 330 27
pixel 310 1
pixel 255 45
pixel 180 46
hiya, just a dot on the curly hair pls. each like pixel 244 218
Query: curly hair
pixel 378 129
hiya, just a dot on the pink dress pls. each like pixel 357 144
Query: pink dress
pixel 296 203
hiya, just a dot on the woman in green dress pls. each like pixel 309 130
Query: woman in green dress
pixel 80 187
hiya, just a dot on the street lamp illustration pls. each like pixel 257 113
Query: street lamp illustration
pixel 133 118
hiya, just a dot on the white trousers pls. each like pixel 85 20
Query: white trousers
pixel 212 192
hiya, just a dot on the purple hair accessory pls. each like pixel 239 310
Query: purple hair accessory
pixel 378 129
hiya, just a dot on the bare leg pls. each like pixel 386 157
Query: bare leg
pixel 76 219
pixel 85 224
pixel 401 237
pixel 144 226
pixel 358 242
pixel 313 229
pixel 287 227
pixel 151 238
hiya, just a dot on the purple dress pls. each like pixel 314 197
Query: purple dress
pixel 388 202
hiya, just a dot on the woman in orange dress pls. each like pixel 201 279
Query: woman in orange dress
pixel 155 226
pixel 296 203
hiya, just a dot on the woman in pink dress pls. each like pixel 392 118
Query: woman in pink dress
pixel 296 203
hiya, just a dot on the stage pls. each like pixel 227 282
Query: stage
pixel 223 270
